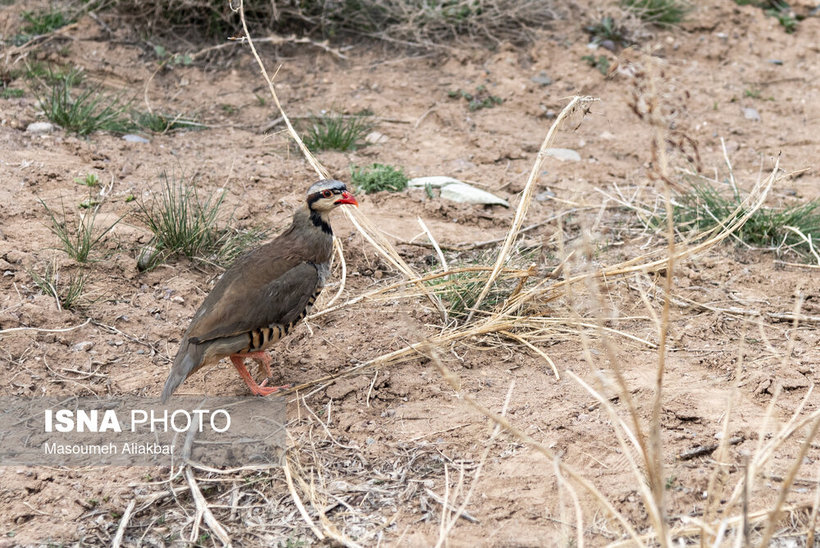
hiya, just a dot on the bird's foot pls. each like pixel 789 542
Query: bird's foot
pixel 262 358
pixel 238 361
pixel 268 390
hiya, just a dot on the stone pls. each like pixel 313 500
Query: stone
pixel 542 79
pixel 83 346
pixel 40 127
pixel 563 154
pixel 131 138
pixel 751 114
pixel 457 191
pixel 375 138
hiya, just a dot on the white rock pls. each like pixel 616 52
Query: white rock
pixel 464 193
pixel 457 191
pixel 40 127
pixel 131 138
pixel 751 114
pixel 563 154
pixel 374 138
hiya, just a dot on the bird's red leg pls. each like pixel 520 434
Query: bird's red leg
pixel 262 358
pixel 238 361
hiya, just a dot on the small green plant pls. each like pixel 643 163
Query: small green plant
pixel 11 93
pixel 704 207
pixel 183 223
pixel 89 111
pixel 91 180
pixel 778 9
pixel 163 123
pixel 754 93
pixel 378 177
pixel 784 15
pixel 601 63
pixel 337 131
pixel 608 29
pixel 78 238
pixel 174 59
pixel 478 100
pixel 658 12
pixel 43 22
pixel 67 295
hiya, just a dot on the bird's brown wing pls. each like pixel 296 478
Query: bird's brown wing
pixel 247 308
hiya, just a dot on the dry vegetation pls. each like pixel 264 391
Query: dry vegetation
pixel 595 303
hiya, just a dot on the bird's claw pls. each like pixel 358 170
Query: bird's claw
pixel 264 390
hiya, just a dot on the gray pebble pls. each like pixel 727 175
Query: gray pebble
pixel 751 114
pixel 83 346
pixel 542 79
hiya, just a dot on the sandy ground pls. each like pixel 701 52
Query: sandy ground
pixel 380 447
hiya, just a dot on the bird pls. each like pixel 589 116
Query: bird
pixel 263 294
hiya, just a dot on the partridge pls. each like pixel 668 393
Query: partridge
pixel 259 299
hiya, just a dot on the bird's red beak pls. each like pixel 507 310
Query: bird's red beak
pixel 347 198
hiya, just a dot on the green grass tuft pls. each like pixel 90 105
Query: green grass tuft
pixel 337 131
pixel 67 295
pixel 705 206
pixel 608 29
pixel 84 112
pixel 778 9
pixel 459 291
pixel 183 223
pixel 378 177
pixel 658 12
pixel 78 237
pixel 163 123
pixel 43 22
pixel 11 93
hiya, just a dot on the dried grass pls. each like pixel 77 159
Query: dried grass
pixel 402 22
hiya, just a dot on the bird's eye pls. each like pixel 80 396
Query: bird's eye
pixel 327 193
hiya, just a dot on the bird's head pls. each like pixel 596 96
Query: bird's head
pixel 327 194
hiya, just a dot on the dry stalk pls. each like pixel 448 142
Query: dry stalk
pixel 714 489
pixel 126 517
pixel 298 501
pixel 813 517
pixel 448 525
pixel 337 246
pixel 203 511
pixel 789 480
pixel 579 515
pixel 655 462
pixel 526 197
pixel 434 243
pixel 689 531
pixel 39 330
